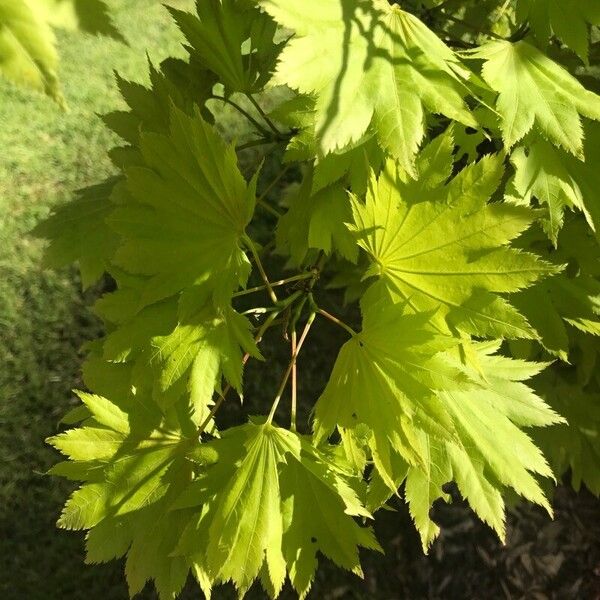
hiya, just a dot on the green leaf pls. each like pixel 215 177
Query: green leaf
pixel 105 412
pixel 77 231
pixel 385 378
pixel 536 94
pixel 247 526
pixel 560 180
pixel 317 221
pixel 87 443
pixel 91 16
pixel 203 346
pixel 571 298
pixel 183 218
pixel 317 514
pixel 108 540
pixel 141 461
pixel 542 172
pixel 155 534
pixel 259 518
pixel 386 80
pixel 568 20
pixel 574 445
pixel 234 40
pixel 27 48
pixel 150 108
pixel 450 251
pixel 490 451
pixel 423 488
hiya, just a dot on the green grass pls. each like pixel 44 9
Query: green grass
pixel 44 318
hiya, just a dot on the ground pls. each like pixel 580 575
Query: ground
pixel 45 317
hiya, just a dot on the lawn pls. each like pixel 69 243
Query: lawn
pixel 45 317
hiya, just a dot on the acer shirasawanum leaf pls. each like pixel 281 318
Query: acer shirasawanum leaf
pixel 572 446
pixel 385 377
pixel 449 248
pixel 183 213
pixel 428 411
pixel 536 94
pixel 569 299
pixel 258 487
pixel 560 180
pixel 234 40
pixel 369 64
pixel 28 54
pixel 568 20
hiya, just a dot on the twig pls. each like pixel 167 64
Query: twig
pixel 257 339
pixel 261 269
pixel 262 113
pixel 270 209
pixel 290 367
pixel 273 183
pixel 294 382
pixel 245 113
pixel 337 321
pixel 254 143
pixel 260 288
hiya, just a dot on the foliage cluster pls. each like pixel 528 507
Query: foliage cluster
pixel 447 156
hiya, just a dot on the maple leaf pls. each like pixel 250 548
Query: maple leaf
pixel 385 377
pixel 77 231
pixel 257 486
pixel 182 217
pixel 369 63
pixel 149 108
pixel 536 93
pixel 313 482
pixel 447 248
pixel 27 48
pixel 495 406
pixel 245 527
pixel 568 20
pixel 559 179
pixel 315 220
pixel 541 171
pixel 139 460
pixel 569 298
pixel 575 445
pixel 205 344
pixel 234 40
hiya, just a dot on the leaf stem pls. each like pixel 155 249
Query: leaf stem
pixel 337 321
pixel 273 183
pixel 269 321
pixel 264 115
pixel 260 288
pixel 265 133
pixel 473 27
pixel 270 209
pixel 294 383
pixel 288 371
pixel 261 269
pixel 254 143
